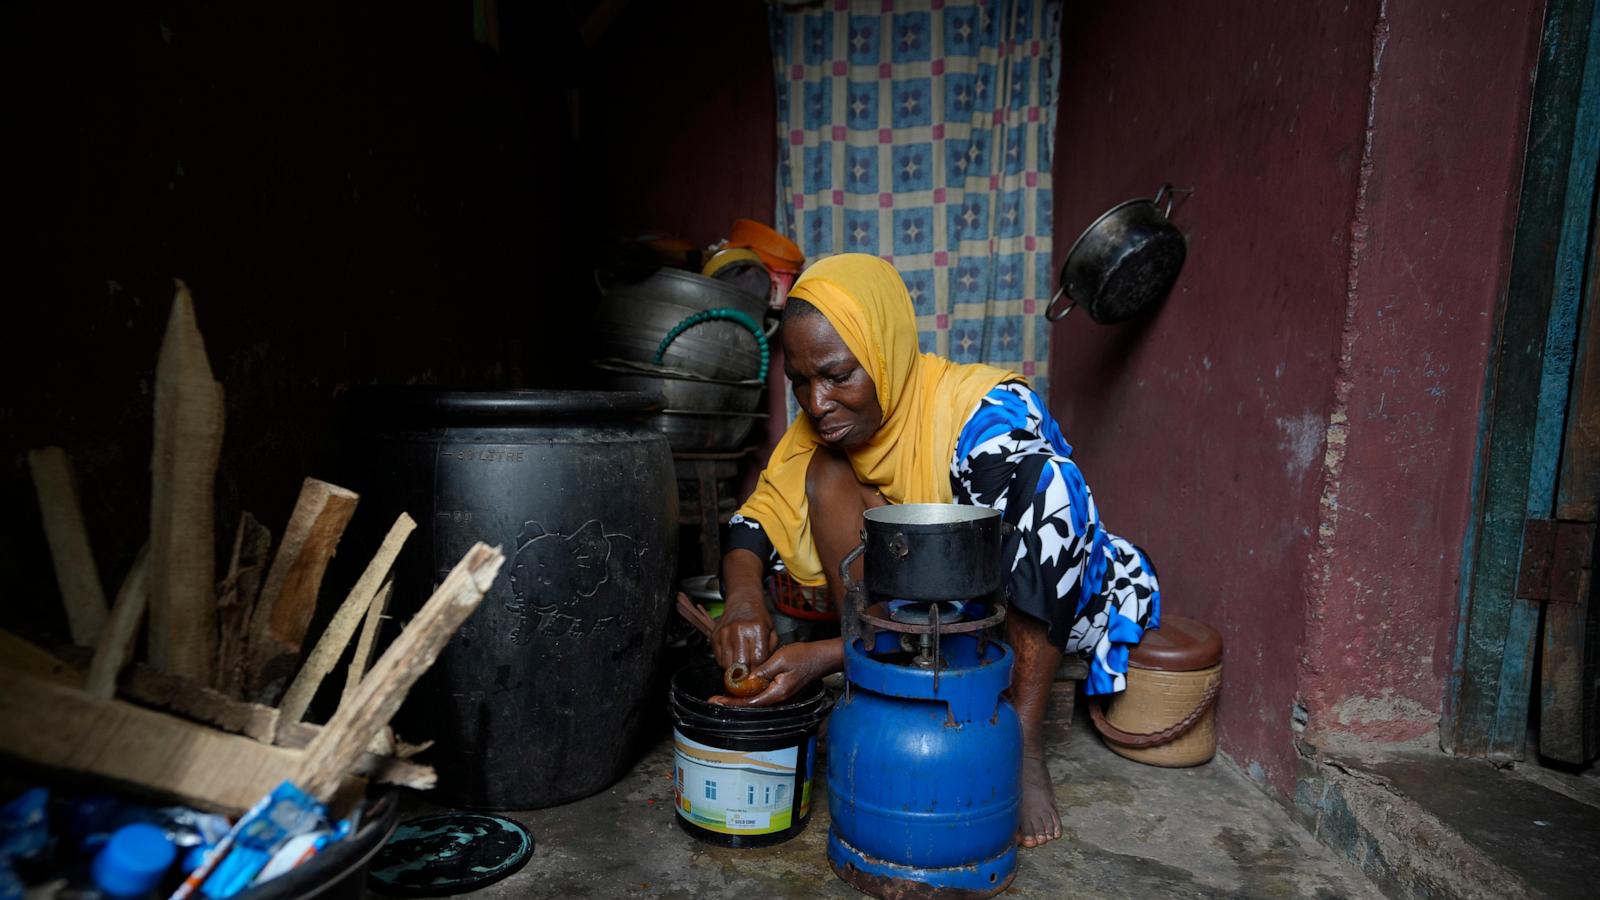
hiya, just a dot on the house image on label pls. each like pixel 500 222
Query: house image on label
pixel 724 790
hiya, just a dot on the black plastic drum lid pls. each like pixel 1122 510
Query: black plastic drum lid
pixel 453 853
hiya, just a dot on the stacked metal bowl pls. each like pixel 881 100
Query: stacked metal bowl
pixel 710 373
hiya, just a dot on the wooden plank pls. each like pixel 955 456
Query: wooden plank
pixel 116 642
pixel 62 728
pixel 1567 622
pixel 183 471
pixel 289 595
pixel 236 599
pixel 1569 699
pixel 336 637
pixel 174 694
pixel 382 691
pixel 1578 489
pixel 388 767
pixel 1488 712
pixel 171 693
pixel 76 574
pixel 21 655
pixel 1567 696
pixel 361 660
pixel 180 696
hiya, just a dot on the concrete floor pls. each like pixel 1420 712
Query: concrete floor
pixel 1131 831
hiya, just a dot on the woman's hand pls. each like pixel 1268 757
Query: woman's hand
pixel 744 635
pixel 791 668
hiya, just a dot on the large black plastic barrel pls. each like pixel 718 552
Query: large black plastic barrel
pixel 538 698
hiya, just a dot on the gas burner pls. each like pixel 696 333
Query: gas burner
pixel 920 612
pixel 918 617
pixel 922 625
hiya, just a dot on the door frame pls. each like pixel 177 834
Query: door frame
pixel 1527 386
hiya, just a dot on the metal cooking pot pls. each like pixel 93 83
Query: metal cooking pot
pixel 1124 263
pixel 932 551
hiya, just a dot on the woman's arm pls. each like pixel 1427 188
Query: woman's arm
pixel 744 633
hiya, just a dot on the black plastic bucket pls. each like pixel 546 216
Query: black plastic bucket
pixel 742 776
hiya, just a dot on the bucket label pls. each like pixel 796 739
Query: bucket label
pixel 745 792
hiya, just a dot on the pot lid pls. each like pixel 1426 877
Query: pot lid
pixel 438 405
pixel 912 514
pixel 1179 645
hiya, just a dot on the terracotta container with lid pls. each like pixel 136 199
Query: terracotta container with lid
pixel 1167 715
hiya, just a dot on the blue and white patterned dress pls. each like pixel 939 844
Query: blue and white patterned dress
pixel 1096 591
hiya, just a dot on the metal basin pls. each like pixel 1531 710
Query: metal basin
pixel 683 390
pixel 633 318
pixel 691 430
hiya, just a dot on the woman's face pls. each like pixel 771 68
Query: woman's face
pixel 829 382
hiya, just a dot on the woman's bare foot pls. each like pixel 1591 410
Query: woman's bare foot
pixel 1037 819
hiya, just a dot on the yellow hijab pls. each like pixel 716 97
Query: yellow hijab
pixel 925 401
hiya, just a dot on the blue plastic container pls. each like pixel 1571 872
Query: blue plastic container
pixel 133 862
pixel 924 781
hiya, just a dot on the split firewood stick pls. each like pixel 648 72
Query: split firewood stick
pixel 289 595
pixel 76 575
pixel 367 642
pixel 116 641
pixel 336 637
pixel 383 690
pixel 236 599
pixel 183 471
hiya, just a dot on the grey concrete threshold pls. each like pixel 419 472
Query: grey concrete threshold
pixel 1426 825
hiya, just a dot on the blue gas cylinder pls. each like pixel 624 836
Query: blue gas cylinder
pixel 924 772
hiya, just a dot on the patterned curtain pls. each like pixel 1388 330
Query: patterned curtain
pixel 922 132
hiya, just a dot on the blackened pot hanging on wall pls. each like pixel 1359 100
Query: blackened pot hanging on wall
pixel 539 697
pixel 1124 263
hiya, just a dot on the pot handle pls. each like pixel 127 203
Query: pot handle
pixel 849 560
pixel 732 315
pixel 1050 310
pixel 1170 193
pixel 1164 191
pixel 854 591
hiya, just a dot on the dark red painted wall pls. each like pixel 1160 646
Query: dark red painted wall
pixel 682 111
pixel 1326 283
pixel 1448 128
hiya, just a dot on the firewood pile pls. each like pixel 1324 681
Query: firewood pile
pixel 213 716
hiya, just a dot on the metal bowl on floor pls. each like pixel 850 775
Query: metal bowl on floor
pixel 683 390
pixel 691 431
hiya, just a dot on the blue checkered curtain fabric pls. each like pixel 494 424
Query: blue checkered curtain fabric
pixel 922 132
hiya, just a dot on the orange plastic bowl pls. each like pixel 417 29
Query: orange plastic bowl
pixel 777 251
